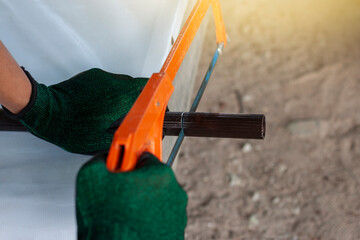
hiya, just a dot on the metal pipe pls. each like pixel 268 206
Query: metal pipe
pixel 217 125
pixel 8 124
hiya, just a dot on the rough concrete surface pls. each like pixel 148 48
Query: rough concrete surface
pixel 298 62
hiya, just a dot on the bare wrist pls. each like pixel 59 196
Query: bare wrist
pixel 15 87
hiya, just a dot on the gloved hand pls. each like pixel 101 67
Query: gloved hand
pixel 147 203
pixel 75 114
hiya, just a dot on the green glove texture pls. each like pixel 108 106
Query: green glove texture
pixel 75 114
pixel 147 203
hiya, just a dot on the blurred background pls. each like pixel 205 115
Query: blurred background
pixel 298 62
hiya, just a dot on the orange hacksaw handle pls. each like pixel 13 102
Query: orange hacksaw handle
pixel 141 130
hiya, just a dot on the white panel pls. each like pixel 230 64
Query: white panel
pixel 36 188
pixel 55 40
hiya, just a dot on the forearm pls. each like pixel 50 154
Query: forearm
pixel 15 88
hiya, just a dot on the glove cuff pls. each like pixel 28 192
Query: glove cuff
pixel 31 103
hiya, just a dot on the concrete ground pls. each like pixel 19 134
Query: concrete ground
pixel 298 62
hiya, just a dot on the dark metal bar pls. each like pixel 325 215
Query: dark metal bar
pixel 8 124
pixel 217 125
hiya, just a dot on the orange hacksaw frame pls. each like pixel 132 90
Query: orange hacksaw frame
pixel 142 129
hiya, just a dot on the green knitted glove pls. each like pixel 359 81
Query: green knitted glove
pixel 147 203
pixel 75 114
